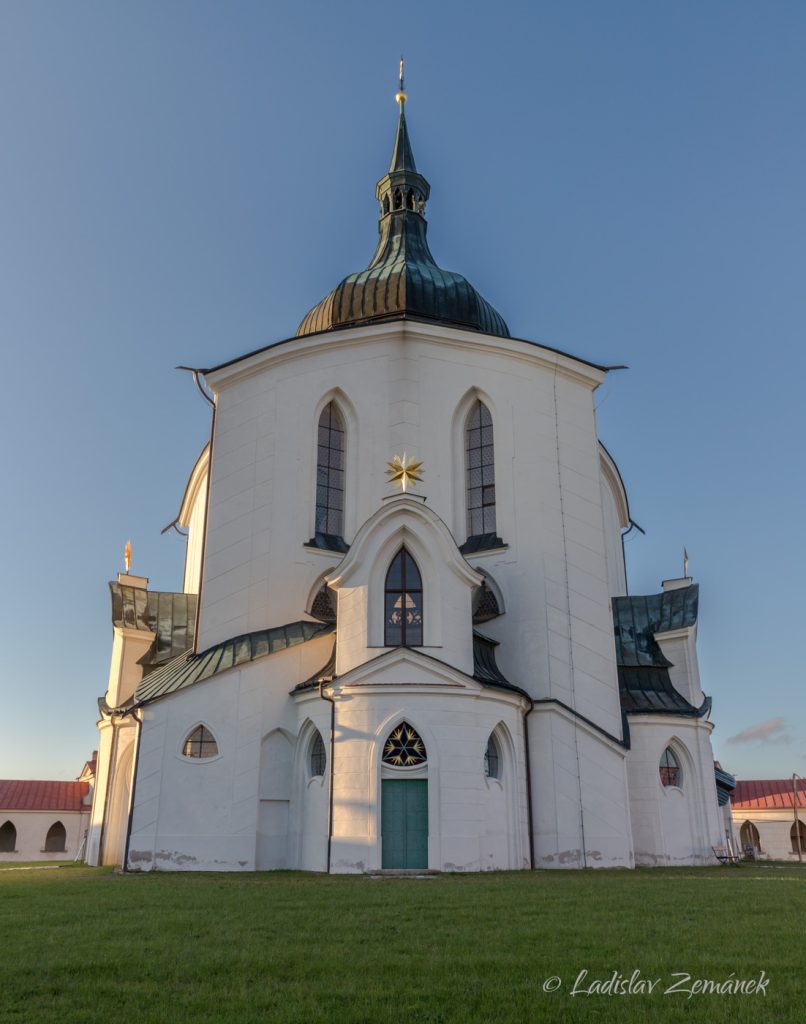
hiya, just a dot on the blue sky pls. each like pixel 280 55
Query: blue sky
pixel 181 181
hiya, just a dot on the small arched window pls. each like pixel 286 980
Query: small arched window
pixel 480 471
pixel 317 760
pixel 323 606
pixel 670 773
pixel 56 839
pixel 492 759
pixel 403 603
pixel 404 748
pixel 798 836
pixel 8 838
pixel 200 743
pixel 749 838
pixel 330 473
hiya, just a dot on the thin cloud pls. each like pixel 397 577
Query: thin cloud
pixel 771 731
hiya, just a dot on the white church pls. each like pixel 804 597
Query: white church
pixel 404 639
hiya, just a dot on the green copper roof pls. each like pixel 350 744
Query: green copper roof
pixel 645 686
pixel 188 669
pixel 402 279
pixel 171 616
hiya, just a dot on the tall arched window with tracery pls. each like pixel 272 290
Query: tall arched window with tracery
pixel 330 476
pixel 403 597
pixel 479 471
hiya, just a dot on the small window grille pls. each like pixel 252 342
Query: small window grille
pixel 492 760
pixel 670 774
pixel 485 605
pixel 200 743
pixel 318 758
pixel 323 606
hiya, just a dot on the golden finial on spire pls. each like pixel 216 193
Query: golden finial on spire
pixel 127 555
pixel 404 471
pixel 400 95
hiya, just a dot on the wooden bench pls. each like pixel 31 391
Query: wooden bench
pixel 724 855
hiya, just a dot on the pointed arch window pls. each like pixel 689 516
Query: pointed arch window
pixel 200 743
pixel 670 773
pixel 330 475
pixel 317 758
pixel 56 839
pixel 8 838
pixel 492 759
pixel 480 471
pixel 403 603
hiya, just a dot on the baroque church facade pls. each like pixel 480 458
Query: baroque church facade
pixel 404 639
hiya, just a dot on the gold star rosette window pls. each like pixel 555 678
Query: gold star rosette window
pixel 404 748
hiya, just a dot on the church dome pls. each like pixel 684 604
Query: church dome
pixel 402 279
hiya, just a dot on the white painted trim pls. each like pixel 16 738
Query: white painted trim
pixel 472 341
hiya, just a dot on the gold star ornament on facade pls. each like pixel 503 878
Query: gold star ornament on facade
pixel 404 472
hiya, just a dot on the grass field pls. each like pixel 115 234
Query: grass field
pixel 86 945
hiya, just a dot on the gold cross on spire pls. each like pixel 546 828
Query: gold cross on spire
pixel 401 96
pixel 404 472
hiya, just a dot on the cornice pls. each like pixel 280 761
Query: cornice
pixel 579 370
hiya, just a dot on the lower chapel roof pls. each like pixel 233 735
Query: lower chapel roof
pixel 767 794
pixel 645 686
pixel 41 795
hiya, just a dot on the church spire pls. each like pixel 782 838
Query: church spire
pixel 402 156
pixel 403 189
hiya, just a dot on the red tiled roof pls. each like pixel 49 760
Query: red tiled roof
pixel 36 795
pixel 767 794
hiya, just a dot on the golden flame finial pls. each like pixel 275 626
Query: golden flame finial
pixel 400 95
pixel 127 555
pixel 404 472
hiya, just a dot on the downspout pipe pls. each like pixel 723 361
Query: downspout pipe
pixel 528 764
pixel 332 703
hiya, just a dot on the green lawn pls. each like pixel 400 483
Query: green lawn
pixel 87 945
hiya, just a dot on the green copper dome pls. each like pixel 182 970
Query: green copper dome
pixel 402 279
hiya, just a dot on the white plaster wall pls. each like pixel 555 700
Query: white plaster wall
pixel 32 828
pixel 402 386
pixel 195 540
pixel 203 814
pixel 673 826
pixel 475 823
pixel 582 815
pixel 614 548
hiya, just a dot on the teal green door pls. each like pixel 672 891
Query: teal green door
pixel 404 823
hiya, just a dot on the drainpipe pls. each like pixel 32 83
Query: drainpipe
pixel 332 703
pixel 139 721
pixel 529 784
